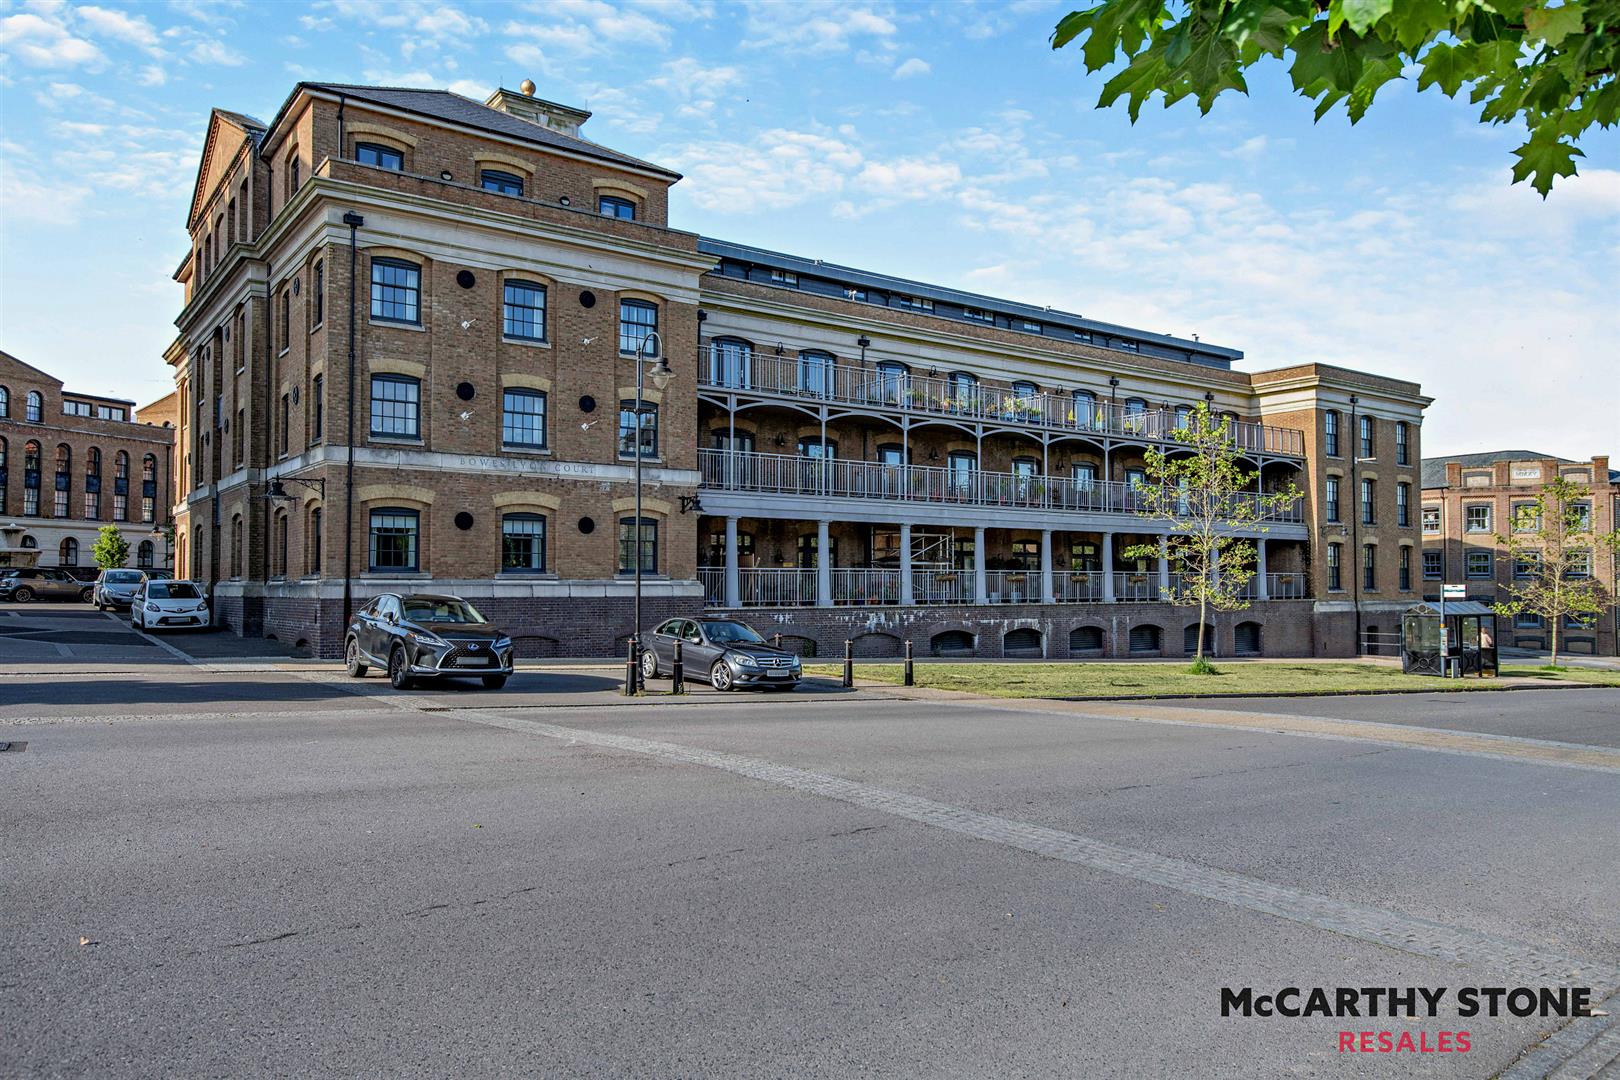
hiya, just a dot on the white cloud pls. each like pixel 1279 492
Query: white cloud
pixel 152 75
pixel 133 29
pixel 209 51
pixel 912 68
pixel 814 28
pixel 41 42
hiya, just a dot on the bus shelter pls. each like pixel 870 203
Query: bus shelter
pixel 1460 641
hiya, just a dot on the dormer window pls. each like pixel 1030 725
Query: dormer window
pixel 502 183
pixel 784 277
pixel 615 207
pixel 383 157
pixel 914 303
pixel 974 314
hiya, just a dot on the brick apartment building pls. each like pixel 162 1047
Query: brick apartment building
pixel 1470 499
pixel 965 463
pixel 71 463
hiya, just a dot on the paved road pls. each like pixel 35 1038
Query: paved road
pixel 1587 717
pixel 291 874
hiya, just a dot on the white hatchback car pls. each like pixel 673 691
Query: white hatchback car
pixel 166 605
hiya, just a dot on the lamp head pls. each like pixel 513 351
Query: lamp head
pixel 662 375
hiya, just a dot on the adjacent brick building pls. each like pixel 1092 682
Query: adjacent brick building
pixel 72 463
pixel 1470 499
pixel 966 463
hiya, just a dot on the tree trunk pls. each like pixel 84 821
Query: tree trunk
pixel 1203 602
pixel 1554 621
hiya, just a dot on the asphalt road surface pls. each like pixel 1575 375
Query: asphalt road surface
pixel 213 872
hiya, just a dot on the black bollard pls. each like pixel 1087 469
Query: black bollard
pixel 677 672
pixel 849 664
pixel 632 673
pixel 911 677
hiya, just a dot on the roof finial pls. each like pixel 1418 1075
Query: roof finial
pixel 527 86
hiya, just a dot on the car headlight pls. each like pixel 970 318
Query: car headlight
pixel 424 638
pixel 202 605
pixel 502 644
pixel 744 660
pixel 151 607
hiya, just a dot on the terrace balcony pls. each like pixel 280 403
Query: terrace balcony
pixel 818 381
pixel 735 480
pixel 849 586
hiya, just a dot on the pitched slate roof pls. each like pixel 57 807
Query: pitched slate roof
pixel 1434 468
pixel 455 109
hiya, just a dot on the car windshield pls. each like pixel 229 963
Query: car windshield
pixel 171 590
pixel 441 611
pixel 123 577
pixel 732 633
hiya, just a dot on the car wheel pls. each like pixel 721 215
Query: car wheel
pixel 87 596
pixel 351 660
pixel 649 664
pixel 720 676
pixel 494 682
pixel 399 669
pixel 23 595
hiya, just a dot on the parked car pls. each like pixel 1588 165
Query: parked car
pixel 86 574
pixel 116 588
pixel 726 652
pixel 426 636
pixel 25 583
pixel 160 605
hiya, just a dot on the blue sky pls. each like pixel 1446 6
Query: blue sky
pixel 945 142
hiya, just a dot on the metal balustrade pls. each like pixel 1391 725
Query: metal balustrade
pixel 795 587
pixel 788 474
pixel 805 377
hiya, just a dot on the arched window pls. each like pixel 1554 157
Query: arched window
pixel 1085 410
pixel 31 478
pixel 64 481
pixel 121 487
pixel 312 553
pixel 149 483
pixel 964 391
pixel 1086 639
pixel 278 553
pixel 891 382
pixel 236 546
pixel 36 407
pixel 197 553
pixel 1024 390
pixel 1024 641
pixel 5 403
pixel 29 543
pixel 816 373
pixel 502 183
pixel 731 363
pixel 68 554
pixel 143 555
pixel 1145 639
pixel 92 484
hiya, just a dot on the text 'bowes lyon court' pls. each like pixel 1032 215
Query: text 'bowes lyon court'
pixel 407 360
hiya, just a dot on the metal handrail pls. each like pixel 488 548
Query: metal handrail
pixel 790 474
pixel 807 376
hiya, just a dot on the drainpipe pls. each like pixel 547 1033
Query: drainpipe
pixel 1355 519
pixel 353 221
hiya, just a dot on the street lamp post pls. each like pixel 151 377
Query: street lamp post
pixel 648 351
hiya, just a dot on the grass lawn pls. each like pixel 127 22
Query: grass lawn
pixel 1089 679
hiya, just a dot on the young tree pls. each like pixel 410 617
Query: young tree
pixel 1552 540
pixel 111 549
pixel 1207 497
pixel 1549 64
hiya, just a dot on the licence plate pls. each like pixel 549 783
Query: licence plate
pixel 778 674
pixel 473 661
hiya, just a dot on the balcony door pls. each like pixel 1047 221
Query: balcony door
pixel 731 363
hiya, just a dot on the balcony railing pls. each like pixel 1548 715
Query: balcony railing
pixel 729 367
pixel 788 474
pixel 794 587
